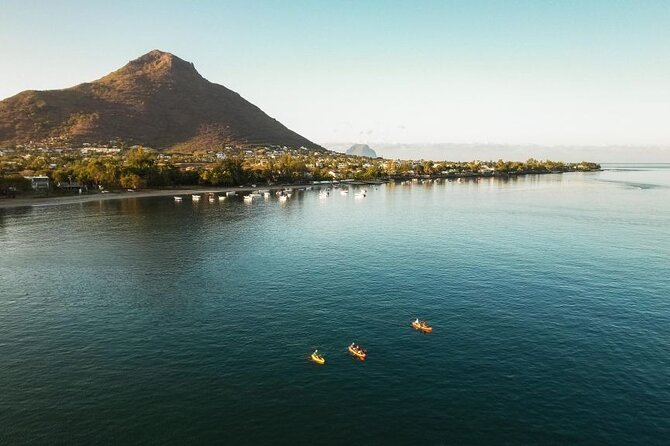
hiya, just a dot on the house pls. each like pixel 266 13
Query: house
pixel 39 182
pixel 73 186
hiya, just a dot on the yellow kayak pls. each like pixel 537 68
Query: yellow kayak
pixel 319 359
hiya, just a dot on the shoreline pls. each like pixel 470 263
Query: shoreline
pixel 9 203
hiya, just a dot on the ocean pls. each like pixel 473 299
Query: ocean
pixel 146 321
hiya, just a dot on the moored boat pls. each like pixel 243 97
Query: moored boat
pixel 195 197
pixel 177 199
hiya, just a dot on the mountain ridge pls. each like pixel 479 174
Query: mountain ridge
pixel 157 99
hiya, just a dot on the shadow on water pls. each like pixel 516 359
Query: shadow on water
pixel 635 185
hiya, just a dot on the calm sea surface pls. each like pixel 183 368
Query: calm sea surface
pixel 149 321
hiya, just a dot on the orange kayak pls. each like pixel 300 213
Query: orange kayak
pixel 422 326
pixel 358 352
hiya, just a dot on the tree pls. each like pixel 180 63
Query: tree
pixel 131 181
pixel 141 162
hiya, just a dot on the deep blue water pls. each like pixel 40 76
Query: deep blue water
pixel 147 321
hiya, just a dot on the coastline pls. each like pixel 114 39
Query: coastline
pixel 9 203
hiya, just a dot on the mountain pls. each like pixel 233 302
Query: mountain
pixel 157 100
pixel 361 150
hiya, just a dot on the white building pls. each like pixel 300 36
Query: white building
pixel 39 182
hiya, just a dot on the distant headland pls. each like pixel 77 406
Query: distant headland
pixel 361 150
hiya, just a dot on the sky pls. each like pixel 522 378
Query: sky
pixel 554 73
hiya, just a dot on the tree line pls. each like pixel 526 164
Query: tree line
pixel 141 168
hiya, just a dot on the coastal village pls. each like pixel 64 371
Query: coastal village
pixel 94 168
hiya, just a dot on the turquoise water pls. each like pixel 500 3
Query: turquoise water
pixel 148 321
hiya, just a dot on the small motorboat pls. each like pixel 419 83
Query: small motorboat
pixel 195 197
pixel 177 199
pixel 248 198
pixel 317 358
pixel 222 198
pixel 422 326
pixel 358 351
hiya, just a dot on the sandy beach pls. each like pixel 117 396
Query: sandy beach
pixel 6 203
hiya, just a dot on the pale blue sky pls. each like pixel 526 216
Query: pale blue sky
pixel 545 72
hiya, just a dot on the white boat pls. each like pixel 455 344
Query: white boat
pixel 344 192
pixel 177 198
pixel 324 194
pixel 360 195
pixel 248 198
pixel 283 197
pixel 255 195
pixel 195 197
pixel 222 198
pixel 211 199
pixel 231 194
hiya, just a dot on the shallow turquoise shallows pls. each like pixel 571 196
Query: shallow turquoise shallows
pixel 146 321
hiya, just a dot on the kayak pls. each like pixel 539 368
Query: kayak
pixel 422 326
pixel 318 358
pixel 360 354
